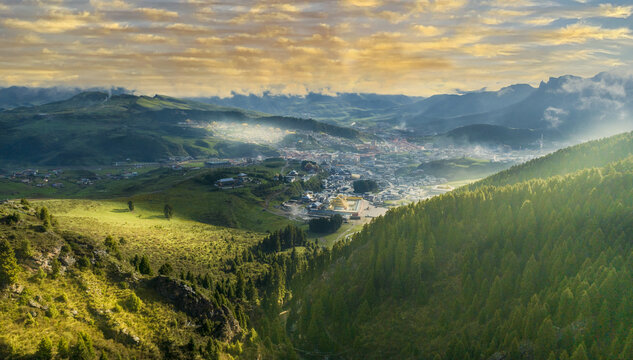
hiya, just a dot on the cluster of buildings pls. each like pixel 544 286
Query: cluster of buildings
pixel 232 182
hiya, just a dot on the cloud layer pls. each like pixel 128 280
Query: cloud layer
pixel 206 47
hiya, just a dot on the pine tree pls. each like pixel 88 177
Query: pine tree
pixel 580 353
pixel 9 268
pixel 82 350
pixel 44 349
pixel 144 267
pixel 168 210
pixel 165 269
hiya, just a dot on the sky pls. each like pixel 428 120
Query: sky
pixel 209 48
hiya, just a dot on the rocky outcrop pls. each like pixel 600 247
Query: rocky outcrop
pixel 198 306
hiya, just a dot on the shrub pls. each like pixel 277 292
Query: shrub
pixel 169 211
pixel 165 269
pixel 56 267
pixel 8 264
pixel 44 349
pixel 133 303
pixel 144 267
pixel 82 350
pixel 52 311
pixel 24 249
pixel 63 350
pixel 83 262
pixel 6 348
pixel 29 320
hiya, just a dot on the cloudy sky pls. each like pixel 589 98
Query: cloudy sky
pixel 204 47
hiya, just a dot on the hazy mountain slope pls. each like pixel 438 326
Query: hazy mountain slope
pixel 16 96
pixel 535 270
pixel 95 128
pixel 340 107
pixel 566 107
pixel 597 153
pixel 489 135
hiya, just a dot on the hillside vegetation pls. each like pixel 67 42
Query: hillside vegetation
pixel 518 266
pixel 93 128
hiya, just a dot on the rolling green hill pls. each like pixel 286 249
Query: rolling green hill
pixel 532 263
pixel 74 296
pixel 93 128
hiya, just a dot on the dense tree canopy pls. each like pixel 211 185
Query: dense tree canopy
pixel 538 268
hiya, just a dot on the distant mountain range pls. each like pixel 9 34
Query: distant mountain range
pixel 565 109
pixel 16 96
pixel 94 128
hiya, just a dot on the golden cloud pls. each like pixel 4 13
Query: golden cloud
pixel 608 10
pixel 428 30
pixel 158 14
pixel 54 22
pixel 579 33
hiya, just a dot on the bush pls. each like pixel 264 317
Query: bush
pixel 144 267
pixel 133 303
pixel 44 349
pixel 12 219
pixel 8 264
pixel 83 262
pixel 165 269
pixel 52 311
pixel 82 350
pixel 24 249
pixel 56 268
pixel 169 211
pixel 63 350
pixel 29 320
pixel 6 348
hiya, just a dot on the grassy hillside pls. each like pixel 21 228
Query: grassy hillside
pixel 539 269
pixel 93 128
pixel 191 192
pixel 81 292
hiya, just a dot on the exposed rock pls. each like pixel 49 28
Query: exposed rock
pixel 197 306
pixel 67 260
pixel 119 332
pixel 34 304
pixel 16 288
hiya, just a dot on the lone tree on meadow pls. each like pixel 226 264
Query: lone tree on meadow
pixel 130 205
pixel 169 211
pixel 8 264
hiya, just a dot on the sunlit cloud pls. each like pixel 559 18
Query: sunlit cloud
pixel 201 47
pixel 158 14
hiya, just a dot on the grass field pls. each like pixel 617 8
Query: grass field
pixel 185 243
pixel 83 300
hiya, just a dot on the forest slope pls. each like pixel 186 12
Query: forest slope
pixel 540 269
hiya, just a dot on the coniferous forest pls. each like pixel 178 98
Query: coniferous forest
pixel 522 265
